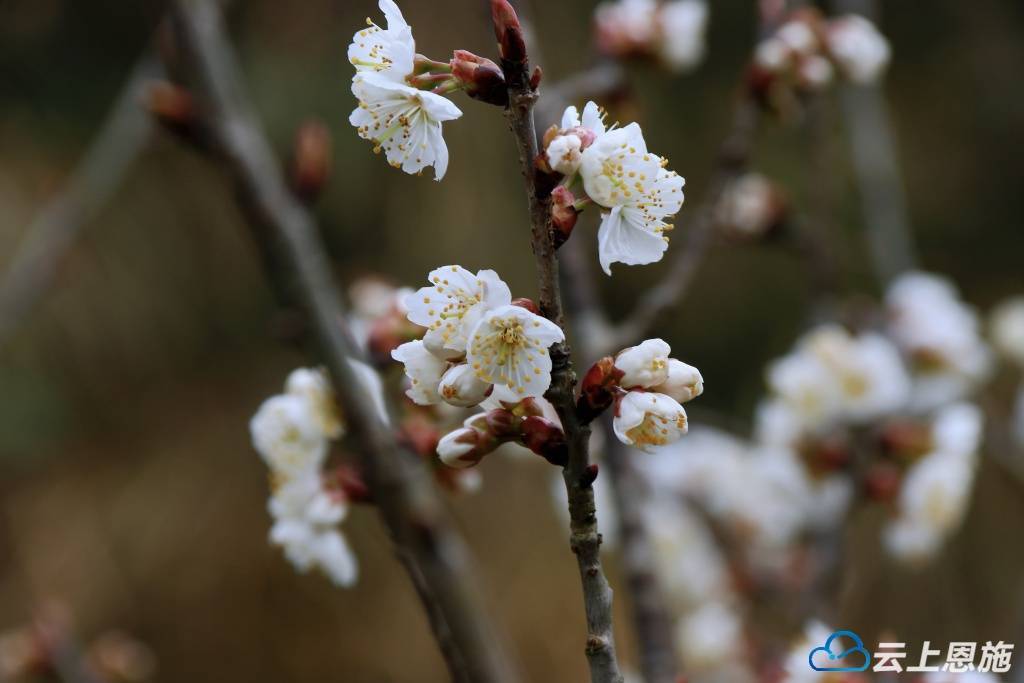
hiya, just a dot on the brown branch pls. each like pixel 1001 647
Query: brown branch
pixel 53 232
pixel 578 474
pixel 424 537
pixel 733 159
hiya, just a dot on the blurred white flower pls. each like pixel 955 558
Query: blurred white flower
pixel 707 637
pixel 796 669
pixel 936 489
pixel 645 419
pixel 815 72
pixel 639 194
pixel 798 36
pixel 681 27
pixel 452 306
pixel 424 371
pixel 859 49
pixel 625 25
pixel 314 386
pixel 1007 329
pixel 644 365
pixel 509 347
pixel 941 336
pixel 306 519
pixel 287 435
pixel 749 205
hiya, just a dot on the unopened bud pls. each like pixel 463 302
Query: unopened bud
pixel 501 423
pixel 481 78
pixel 598 389
pixel 563 213
pixel 311 160
pixel 461 387
pixel 684 382
pixel 461 448
pixel 546 439
pixel 535 77
pixel 528 304
pixel 508 31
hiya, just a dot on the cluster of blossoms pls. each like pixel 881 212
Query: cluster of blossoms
pixel 635 191
pixel 807 50
pixel 670 32
pixel 292 432
pixel 646 387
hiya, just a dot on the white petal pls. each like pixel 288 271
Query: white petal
pixel 592 118
pixel 571 118
pixel 623 241
pixel 424 370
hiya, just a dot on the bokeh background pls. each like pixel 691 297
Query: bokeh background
pixel 129 490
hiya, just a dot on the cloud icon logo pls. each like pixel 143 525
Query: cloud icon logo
pixel 833 656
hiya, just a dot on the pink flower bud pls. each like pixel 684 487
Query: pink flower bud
pixel 546 439
pixel 311 160
pixel 528 304
pixel 508 31
pixel 598 389
pixel 481 78
pixel 563 214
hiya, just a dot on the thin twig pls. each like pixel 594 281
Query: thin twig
pixel 53 232
pixel 425 539
pixel 733 159
pixel 585 540
pixel 877 169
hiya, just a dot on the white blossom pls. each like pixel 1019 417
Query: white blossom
pixel 453 305
pixel 682 24
pixel 424 371
pixel 314 386
pixel 509 347
pixel 461 387
pixel 798 36
pixel 707 637
pixel 857 46
pixel 748 205
pixel 941 336
pixel 591 121
pixel 684 382
pixel 645 419
pixel 389 51
pixel 306 519
pixel 1007 328
pixel 815 72
pixel 620 175
pixel 403 122
pixel 564 154
pixel 287 435
pixel 644 365
pixel 632 22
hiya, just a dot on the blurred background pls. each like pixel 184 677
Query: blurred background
pixel 129 490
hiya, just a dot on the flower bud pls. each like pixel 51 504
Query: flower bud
pixel 564 154
pixel 481 78
pixel 311 160
pixel 684 382
pixel 563 214
pixel 173 107
pixel 461 387
pixel 501 424
pixel 461 448
pixel 508 31
pixel 644 365
pixel 597 391
pixel 546 439
pixel 528 304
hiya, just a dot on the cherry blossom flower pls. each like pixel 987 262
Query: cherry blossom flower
pixel 388 52
pixel 306 519
pixel 858 48
pixel 1007 326
pixel 682 24
pixel 401 120
pixel 287 435
pixel 646 419
pixel 461 387
pixel 404 122
pixel 453 305
pixel 424 371
pixel 638 193
pixel 644 365
pixel 509 347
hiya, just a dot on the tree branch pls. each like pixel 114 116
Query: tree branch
pixel 733 159
pixel 49 238
pixel 425 540
pixel 578 474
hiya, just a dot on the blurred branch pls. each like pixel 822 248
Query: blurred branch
pixel 48 240
pixel 733 159
pixel 876 167
pixel 425 539
pixel 578 474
